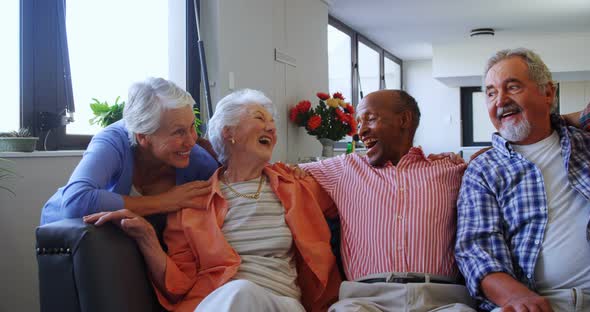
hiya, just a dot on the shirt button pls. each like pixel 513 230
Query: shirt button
pixel 399 217
pixel 401 189
pixel 528 275
pixel 537 242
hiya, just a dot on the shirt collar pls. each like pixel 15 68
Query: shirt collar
pixel 413 153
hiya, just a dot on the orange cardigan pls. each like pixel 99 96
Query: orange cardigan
pixel 200 259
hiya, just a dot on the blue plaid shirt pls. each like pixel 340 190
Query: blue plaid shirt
pixel 502 209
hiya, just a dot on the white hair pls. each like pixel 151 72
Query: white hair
pixel 147 100
pixel 228 113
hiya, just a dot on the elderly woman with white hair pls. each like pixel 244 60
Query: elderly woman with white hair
pixel 259 241
pixel 151 152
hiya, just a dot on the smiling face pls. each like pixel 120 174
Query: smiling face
pixel 255 136
pixel 173 141
pixel 384 129
pixel 517 107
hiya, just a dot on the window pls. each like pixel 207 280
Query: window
pixel 73 51
pixel 369 70
pixel 393 74
pixel 477 127
pixel 9 62
pixel 339 62
pixel 106 56
pixel 356 64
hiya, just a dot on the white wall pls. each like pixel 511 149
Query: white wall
pixel 461 64
pixel 573 96
pixel 19 216
pixel 440 126
pixel 240 40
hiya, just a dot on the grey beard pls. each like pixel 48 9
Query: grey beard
pixel 516 132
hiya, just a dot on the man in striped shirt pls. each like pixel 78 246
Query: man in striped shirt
pixel 398 213
pixel 523 232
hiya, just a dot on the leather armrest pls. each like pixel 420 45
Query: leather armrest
pixel 88 268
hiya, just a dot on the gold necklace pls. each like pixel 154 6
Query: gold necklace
pixel 249 196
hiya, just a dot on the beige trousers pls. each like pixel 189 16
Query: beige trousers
pixel 411 297
pixel 566 300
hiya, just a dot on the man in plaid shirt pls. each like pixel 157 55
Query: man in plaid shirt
pixel 523 209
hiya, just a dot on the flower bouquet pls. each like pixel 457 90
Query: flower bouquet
pixel 331 119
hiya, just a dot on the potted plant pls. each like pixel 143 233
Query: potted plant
pixel 17 141
pixel 105 114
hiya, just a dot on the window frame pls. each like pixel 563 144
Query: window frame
pixel 357 37
pixel 353 53
pixel 364 40
pixel 35 97
pixel 467 118
pixel 399 62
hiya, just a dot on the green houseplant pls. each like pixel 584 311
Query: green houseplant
pixel 105 114
pixel 17 141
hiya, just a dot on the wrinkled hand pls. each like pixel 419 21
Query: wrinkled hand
pixel 181 196
pixel 452 156
pixel 297 171
pixel 134 225
pixel 534 303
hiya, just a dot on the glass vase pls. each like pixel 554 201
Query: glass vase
pixel 327 147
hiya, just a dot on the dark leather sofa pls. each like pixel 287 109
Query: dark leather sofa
pixel 83 268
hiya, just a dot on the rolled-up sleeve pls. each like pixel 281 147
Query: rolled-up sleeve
pixel 480 247
pixel 181 265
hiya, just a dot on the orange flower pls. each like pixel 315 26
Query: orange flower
pixel 349 109
pixel 303 106
pixel 338 95
pixel 353 129
pixel 341 115
pixel 293 114
pixel 323 96
pixel 314 122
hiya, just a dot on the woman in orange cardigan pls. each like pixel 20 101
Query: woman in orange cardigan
pixel 259 241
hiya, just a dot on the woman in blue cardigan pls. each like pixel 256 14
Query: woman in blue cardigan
pixel 147 163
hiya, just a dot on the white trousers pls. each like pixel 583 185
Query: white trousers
pixel 411 297
pixel 566 300
pixel 245 296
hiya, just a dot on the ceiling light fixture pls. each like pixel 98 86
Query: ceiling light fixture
pixel 482 32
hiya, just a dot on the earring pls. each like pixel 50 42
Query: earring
pixel 232 141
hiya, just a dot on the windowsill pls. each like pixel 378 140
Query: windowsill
pixel 38 154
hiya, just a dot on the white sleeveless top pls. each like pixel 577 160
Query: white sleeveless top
pixel 257 230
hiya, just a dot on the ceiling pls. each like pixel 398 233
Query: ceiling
pixel 408 29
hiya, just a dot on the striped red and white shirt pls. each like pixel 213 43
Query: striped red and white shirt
pixel 394 218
